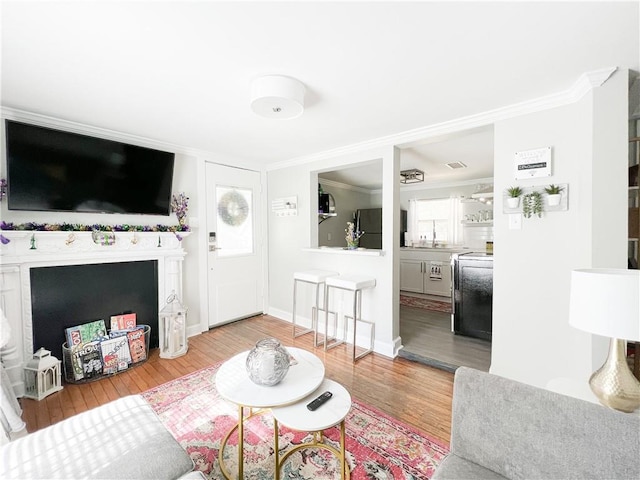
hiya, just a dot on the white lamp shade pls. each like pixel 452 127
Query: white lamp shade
pixel 277 96
pixel 606 302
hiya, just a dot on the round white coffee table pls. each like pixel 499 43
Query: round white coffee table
pixel 331 413
pixel 233 384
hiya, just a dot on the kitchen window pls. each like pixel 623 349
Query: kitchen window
pixel 439 217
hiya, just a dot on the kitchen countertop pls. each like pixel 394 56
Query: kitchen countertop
pixel 344 251
pixel 437 249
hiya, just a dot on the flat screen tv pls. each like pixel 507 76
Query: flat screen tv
pixel 53 170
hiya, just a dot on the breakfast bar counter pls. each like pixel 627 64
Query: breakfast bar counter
pixel 371 252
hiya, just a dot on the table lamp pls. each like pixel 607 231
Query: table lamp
pixel 606 302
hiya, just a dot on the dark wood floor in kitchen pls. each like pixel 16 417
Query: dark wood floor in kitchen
pixel 427 338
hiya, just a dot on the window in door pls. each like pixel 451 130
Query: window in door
pixel 235 221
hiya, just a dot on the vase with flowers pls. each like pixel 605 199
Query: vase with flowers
pixel 179 206
pixel 352 236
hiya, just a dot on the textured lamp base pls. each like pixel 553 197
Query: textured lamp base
pixel 614 384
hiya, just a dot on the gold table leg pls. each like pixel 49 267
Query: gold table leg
pixel 276 448
pixel 318 442
pixel 343 460
pixel 241 442
pixel 240 427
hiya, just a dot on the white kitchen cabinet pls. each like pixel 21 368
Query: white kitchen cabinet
pixel 425 271
pixel 412 276
pixel 437 278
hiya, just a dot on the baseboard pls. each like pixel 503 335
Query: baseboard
pixel 387 349
pixel 194 330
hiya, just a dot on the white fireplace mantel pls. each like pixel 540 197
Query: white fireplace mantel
pixel 24 250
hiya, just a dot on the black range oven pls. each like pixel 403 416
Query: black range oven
pixel 472 300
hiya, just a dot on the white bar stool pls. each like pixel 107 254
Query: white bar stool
pixel 297 417
pixel 317 278
pixel 355 284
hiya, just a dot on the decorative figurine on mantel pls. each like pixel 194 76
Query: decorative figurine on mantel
pixel 33 242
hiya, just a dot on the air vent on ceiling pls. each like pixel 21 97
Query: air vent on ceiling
pixel 455 165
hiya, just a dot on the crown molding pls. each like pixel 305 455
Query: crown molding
pixel 82 129
pixel 454 184
pixel 590 80
pixel 585 83
pixel 107 134
pixel 353 188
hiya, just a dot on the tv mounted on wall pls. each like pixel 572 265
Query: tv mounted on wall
pixel 54 170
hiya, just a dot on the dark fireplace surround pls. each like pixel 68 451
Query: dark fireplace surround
pixel 68 295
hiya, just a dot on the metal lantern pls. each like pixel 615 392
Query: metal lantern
pixel 173 328
pixel 42 375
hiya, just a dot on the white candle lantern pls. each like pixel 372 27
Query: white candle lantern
pixel 42 375
pixel 173 328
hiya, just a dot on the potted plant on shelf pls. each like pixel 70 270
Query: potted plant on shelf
pixel 513 196
pixel 532 204
pixel 553 194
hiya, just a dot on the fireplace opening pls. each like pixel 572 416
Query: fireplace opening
pixel 65 296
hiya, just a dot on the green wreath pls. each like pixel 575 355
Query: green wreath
pixel 233 209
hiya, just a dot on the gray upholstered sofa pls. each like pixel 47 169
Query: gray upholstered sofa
pixel 505 429
pixel 123 439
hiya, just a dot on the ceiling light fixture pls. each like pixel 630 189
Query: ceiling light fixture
pixel 277 96
pixel 412 176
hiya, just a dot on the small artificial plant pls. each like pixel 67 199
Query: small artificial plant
pixel 179 206
pixel 553 189
pixel 514 192
pixel 532 204
pixel 352 235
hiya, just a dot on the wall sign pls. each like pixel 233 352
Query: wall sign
pixel 533 163
pixel 285 207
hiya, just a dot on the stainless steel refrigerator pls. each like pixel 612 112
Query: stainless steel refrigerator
pixel 370 221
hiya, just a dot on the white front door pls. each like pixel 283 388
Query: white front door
pixel 234 243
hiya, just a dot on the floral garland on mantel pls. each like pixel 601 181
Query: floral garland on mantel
pixel 78 227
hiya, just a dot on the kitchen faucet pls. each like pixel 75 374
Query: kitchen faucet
pixel 433 241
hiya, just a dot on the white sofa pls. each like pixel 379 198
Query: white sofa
pixel 123 439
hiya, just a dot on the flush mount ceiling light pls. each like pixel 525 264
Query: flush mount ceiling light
pixel 277 96
pixel 411 176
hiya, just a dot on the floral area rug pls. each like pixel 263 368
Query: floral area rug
pixel 378 447
pixel 425 304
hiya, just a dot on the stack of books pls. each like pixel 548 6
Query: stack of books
pixel 95 351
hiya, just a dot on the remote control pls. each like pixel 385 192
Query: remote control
pixel 314 404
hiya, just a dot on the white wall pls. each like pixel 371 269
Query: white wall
pixel 288 236
pixel 532 340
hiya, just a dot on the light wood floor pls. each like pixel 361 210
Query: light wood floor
pixel 427 338
pixel 413 393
